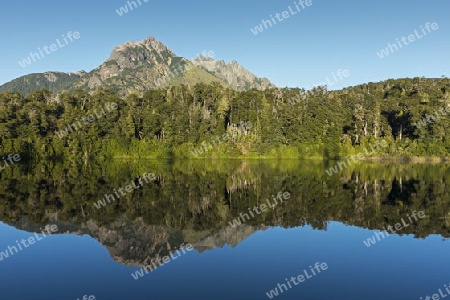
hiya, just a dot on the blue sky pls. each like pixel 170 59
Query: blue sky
pixel 301 50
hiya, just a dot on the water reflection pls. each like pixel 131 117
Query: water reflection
pixel 195 201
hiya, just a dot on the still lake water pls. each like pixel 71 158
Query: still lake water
pixel 326 220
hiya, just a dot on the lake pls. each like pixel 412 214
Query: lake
pixel 230 229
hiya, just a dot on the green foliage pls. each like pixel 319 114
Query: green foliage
pixel 52 81
pixel 176 120
pixel 202 195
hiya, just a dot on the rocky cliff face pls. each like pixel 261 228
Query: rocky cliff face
pixel 233 74
pixel 131 67
pixel 136 243
pixel 227 236
pixel 135 67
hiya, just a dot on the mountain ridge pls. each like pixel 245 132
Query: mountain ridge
pixel 135 67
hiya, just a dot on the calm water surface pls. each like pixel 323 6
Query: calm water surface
pixel 100 251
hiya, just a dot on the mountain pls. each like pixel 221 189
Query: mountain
pixel 136 243
pixel 52 81
pixel 233 74
pixel 135 67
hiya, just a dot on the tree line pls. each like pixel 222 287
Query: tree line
pixel 410 114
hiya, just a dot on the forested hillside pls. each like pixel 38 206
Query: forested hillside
pixel 52 81
pixel 177 120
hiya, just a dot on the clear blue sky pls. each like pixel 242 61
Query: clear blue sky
pixel 299 51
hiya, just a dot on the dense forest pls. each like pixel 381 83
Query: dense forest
pixel 206 195
pixel 410 114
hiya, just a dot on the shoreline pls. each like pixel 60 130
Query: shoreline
pixel 405 159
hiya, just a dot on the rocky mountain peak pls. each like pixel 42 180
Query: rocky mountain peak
pixel 135 67
pixel 150 43
pixel 201 57
pixel 149 48
pixel 233 74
